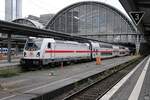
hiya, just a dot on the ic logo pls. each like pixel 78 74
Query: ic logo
pixel 31 53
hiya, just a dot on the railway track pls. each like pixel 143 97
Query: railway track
pixel 94 88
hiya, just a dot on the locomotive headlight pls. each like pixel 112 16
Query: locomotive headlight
pixel 38 54
pixel 25 54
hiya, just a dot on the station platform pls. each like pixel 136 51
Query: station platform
pixel 4 63
pixel 15 59
pixel 35 83
pixel 134 86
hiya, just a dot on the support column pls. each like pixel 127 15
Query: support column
pixel 16 50
pixel 113 38
pixel 9 48
pixel 137 44
pixel 120 39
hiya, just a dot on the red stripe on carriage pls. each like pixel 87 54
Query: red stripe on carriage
pixel 77 51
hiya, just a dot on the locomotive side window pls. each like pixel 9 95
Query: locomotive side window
pixel 105 46
pixel 49 45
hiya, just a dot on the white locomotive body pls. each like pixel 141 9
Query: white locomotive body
pixel 47 50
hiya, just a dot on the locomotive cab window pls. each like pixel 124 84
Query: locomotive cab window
pixel 49 45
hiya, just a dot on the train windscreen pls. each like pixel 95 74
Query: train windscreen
pixel 33 44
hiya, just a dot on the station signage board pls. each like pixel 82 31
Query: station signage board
pixel 136 16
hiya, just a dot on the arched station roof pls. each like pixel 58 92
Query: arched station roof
pixel 29 22
pixel 92 3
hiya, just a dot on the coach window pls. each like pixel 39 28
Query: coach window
pixel 49 45
pixel 96 51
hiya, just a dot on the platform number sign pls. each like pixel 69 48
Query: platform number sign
pixel 136 16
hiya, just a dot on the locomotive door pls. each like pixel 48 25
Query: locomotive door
pixel 49 46
pixel 53 49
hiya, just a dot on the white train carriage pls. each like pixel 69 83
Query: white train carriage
pixel 116 51
pixel 123 51
pixel 103 50
pixel 42 51
pixel 127 51
pixel 106 50
pixel 95 49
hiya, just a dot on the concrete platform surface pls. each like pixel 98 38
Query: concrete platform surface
pixel 134 86
pixel 34 83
